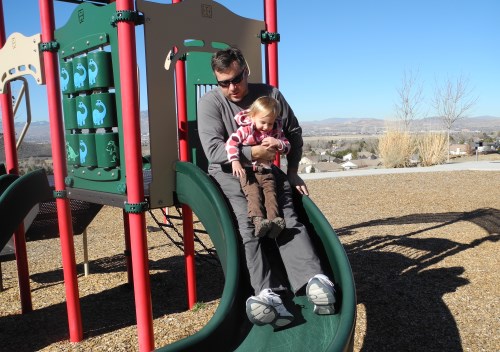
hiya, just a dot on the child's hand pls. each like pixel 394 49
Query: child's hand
pixel 270 143
pixel 238 169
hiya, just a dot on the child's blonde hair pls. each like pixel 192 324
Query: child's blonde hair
pixel 267 105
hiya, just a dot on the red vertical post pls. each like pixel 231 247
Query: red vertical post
pixel 187 213
pixel 9 133
pixel 12 166
pixel 271 19
pixel 60 172
pixel 271 49
pixel 135 183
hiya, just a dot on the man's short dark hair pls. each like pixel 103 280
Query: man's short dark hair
pixel 223 59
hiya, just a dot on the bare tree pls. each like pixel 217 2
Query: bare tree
pixel 453 101
pixel 410 96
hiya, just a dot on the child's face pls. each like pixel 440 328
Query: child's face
pixel 263 122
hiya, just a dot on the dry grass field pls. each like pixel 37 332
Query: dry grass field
pixel 423 249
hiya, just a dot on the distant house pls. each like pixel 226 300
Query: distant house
pixel 308 169
pixel 348 165
pixel 487 148
pixel 327 167
pixel 366 155
pixel 347 157
pixel 306 161
pixel 460 149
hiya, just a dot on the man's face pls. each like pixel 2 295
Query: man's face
pixel 233 82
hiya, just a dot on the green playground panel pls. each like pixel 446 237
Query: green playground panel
pixel 198 73
pixel 91 99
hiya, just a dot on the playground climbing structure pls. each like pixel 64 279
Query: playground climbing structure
pixel 89 67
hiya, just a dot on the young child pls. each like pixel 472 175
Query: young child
pixel 260 124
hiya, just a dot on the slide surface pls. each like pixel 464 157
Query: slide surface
pixel 229 328
pixel 18 195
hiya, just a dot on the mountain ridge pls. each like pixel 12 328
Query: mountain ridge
pixel 39 131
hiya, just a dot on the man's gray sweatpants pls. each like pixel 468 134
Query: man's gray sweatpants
pixel 295 247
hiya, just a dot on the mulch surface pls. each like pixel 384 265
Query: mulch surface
pixel 423 249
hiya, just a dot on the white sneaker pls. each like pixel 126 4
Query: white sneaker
pixel 321 292
pixel 268 308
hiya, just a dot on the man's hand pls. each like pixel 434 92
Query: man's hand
pixel 260 152
pixel 297 182
pixel 238 169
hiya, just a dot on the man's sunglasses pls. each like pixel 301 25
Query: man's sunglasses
pixel 237 79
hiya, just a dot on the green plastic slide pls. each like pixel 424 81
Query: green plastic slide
pixel 18 195
pixel 229 328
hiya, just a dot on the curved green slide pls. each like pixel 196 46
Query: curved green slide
pixel 18 195
pixel 229 328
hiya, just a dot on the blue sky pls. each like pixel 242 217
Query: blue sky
pixel 347 58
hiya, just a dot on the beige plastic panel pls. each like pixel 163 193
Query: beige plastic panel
pixel 168 26
pixel 21 56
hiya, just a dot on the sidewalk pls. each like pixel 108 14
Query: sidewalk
pixel 463 166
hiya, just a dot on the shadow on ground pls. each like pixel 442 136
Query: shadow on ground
pixel 402 296
pixel 110 309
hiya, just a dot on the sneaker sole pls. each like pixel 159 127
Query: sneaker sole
pixel 319 294
pixel 322 296
pixel 261 314
pixel 324 310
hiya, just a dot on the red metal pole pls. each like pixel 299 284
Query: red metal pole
pixel 271 19
pixel 135 185
pixel 180 84
pixel 187 214
pixel 12 166
pixel 187 228
pixel 60 171
pixel 7 114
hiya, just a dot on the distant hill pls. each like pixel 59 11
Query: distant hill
pixel 373 126
pixel 334 126
pixel 39 131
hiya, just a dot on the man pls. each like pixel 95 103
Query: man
pixel 216 111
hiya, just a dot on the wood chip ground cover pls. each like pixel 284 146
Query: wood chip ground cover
pixel 423 248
